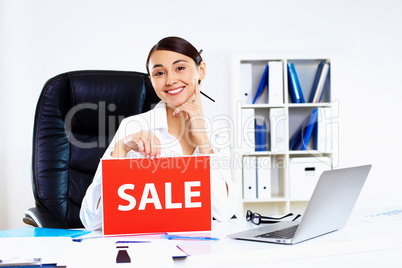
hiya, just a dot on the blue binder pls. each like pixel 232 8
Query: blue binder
pixel 304 133
pixel 296 140
pixel 262 85
pixel 294 85
pixel 317 79
pixel 260 135
pixel 315 83
pixel 309 129
pixel 326 80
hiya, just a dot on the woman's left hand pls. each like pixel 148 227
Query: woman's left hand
pixel 196 120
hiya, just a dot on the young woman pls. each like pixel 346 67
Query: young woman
pixel 175 127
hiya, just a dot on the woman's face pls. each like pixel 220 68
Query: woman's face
pixel 174 76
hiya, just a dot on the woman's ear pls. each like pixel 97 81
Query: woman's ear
pixel 202 69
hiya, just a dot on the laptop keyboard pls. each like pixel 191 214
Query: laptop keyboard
pixel 285 233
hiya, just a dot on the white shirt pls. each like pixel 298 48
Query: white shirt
pixel 224 192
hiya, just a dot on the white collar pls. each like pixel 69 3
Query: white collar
pixel 159 115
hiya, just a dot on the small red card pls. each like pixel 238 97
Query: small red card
pixel 169 194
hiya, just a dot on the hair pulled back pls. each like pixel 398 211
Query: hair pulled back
pixel 178 45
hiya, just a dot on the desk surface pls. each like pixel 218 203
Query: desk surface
pixel 359 244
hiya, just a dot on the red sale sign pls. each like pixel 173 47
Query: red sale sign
pixel 171 194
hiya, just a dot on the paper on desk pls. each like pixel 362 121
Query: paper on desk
pixel 49 249
pixel 103 253
pixel 384 216
pixel 89 253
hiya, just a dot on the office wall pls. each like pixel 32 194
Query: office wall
pixel 42 38
pixel 3 182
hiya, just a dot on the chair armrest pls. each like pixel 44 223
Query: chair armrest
pixel 41 217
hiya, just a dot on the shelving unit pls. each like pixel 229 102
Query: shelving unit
pixel 281 201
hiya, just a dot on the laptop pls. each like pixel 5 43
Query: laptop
pixel 328 210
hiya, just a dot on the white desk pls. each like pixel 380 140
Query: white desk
pixel 359 244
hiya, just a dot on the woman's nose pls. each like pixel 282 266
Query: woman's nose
pixel 171 79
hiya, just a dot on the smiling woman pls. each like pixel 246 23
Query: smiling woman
pixel 175 127
pixel 175 76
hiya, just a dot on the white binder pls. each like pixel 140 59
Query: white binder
pixel 264 177
pixel 277 125
pixel 246 83
pixel 324 130
pixel 249 178
pixel 275 82
pixel 247 128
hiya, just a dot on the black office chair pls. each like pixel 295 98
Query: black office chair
pixel 76 117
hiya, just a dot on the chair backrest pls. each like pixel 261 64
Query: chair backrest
pixel 76 117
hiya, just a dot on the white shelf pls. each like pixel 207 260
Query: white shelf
pixel 309 152
pixel 290 105
pixel 271 200
pixel 313 105
pixel 262 106
pixel 262 153
pixel 295 113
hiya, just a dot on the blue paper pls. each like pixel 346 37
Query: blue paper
pixel 42 232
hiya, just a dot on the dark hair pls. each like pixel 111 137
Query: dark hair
pixel 176 44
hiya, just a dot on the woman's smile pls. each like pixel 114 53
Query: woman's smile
pixel 175 91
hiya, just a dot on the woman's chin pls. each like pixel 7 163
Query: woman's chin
pixel 175 102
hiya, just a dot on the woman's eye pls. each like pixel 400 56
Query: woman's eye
pixel 181 68
pixel 158 74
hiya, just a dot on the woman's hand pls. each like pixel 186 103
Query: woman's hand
pixel 144 142
pixel 193 110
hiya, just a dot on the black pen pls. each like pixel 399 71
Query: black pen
pixel 207 96
pixel 200 90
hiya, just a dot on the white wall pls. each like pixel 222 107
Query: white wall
pixel 3 185
pixel 42 38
